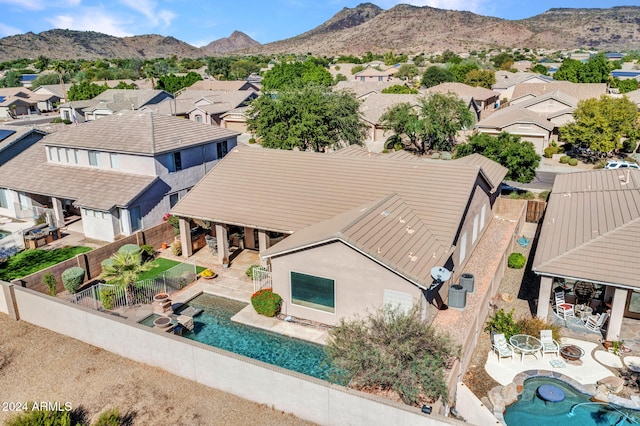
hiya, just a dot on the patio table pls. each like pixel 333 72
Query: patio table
pixel 525 344
pixel 583 311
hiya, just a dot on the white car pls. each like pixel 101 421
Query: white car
pixel 621 165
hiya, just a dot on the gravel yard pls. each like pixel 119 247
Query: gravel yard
pixel 40 365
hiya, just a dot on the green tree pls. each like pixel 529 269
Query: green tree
pixel 242 68
pixel 625 86
pixel 309 118
pixel 295 74
pixel 11 79
pixel 220 68
pixel 461 70
pixel 568 70
pixel 435 75
pixel 172 83
pixel 42 63
pixel 85 90
pixel 595 70
pixel 540 69
pixel 501 59
pixel 407 72
pixel 394 350
pixel 404 121
pixel 124 270
pixel 519 157
pixel 400 89
pixel 601 123
pixel 480 78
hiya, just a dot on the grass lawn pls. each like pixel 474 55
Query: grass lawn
pixel 29 261
pixel 163 265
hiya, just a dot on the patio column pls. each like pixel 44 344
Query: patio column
pixel 263 240
pixel 546 284
pixel 58 213
pixel 185 237
pixel 249 240
pixel 222 235
pixel 617 311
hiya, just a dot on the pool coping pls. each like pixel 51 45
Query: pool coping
pixel 500 395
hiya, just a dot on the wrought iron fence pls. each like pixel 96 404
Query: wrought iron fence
pixel 261 277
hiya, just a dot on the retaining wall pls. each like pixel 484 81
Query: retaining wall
pixel 303 396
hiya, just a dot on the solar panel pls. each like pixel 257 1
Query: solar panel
pixel 5 134
pixel 2 98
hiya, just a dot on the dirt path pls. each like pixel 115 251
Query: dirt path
pixel 39 365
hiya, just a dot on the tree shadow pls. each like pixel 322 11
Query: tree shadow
pixel 530 285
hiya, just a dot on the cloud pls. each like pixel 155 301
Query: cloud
pixel 91 19
pixel 6 30
pixel 148 9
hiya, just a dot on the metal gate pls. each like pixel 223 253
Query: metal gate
pixel 261 277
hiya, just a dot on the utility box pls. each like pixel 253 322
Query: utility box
pixel 457 296
pixel 467 281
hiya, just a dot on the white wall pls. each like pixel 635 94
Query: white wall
pixel 472 409
pixel 98 228
pixel 303 396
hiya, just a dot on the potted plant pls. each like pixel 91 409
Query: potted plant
pixel 502 323
pixel 208 274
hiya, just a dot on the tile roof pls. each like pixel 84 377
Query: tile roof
pixel 119 99
pixel 298 189
pixel 506 79
pixel 90 187
pixel 591 229
pixel 512 115
pixel 378 103
pixel 225 85
pixel 54 89
pixel 140 132
pixel 386 230
pixel 372 72
pixel 494 171
pixel 561 97
pixel 460 89
pixel 361 88
pixel 579 91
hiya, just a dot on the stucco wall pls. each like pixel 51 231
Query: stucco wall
pixel 359 281
pixel 98 227
pixel 472 409
pixel 304 396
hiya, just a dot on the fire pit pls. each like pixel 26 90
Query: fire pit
pixel 571 352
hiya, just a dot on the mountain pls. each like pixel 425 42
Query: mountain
pixel 413 29
pixel 236 41
pixel 68 44
pixel 365 28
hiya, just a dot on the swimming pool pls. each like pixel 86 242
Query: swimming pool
pixel 576 409
pixel 214 327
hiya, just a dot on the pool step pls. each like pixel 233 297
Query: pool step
pixel 186 321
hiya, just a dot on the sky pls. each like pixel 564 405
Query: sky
pixel 202 22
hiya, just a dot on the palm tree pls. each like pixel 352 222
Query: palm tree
pixel 124 271
pixel 60 68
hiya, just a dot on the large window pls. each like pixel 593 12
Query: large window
pixel 94 158
pixel 173 199
pixel 3 198
pixel 313 292
pixel 113 158
pixel 222 149
pixel 175 162
pixel 136 219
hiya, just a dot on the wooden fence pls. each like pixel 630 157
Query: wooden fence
pixel 535 210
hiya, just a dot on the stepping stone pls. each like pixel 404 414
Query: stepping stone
pixel 609 359
pixel 632 363
pixel 613 384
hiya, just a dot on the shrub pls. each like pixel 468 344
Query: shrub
pixel 252 140
pixel 72 278
pixel 544 195
pixel 108 297
pixel 629 145
pixel 266 302
pixel 385 151
pixel 550 150
pixel 600 164
pixel 516 261
pixel 176 248
pixel 564 159
pixel 40 417
pixel 573 162
pixel 502 323
pixel 249 271
pixel 50 281
pixel 435 155
pixel 532 327
pixel 398 146
pixel 445 155
pixel 528 195
pixel 105 264
pixel 130 249
pixel 60 120
pixel 148 249
pixel 109 418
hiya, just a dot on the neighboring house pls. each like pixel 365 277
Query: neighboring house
pixel 634 96
pixel 15 139
pixel 223 85
pixel 486 100
pixel 362 89
pixel 506 81
pixel 121 173
pixel 235 119
pixel 579 91
pixel 111 101
pixel 17 102
pixel 590 234
pixel 373 74
pixel 372 108
pixel 535 120
pixel 53 92
pixel 342 252
pixel 212 105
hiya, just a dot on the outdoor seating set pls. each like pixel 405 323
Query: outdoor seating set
pixel 585 313
pixel 525 344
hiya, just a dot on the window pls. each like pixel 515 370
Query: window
pixel 3 199
pixel 198 118
pixel 94 158
pixel 380 78
pixel 222 149
pixel 75 156
pixel 175 162
pixel 474 235
pixel 113 158
pixel 65 115
pixel 483 213
pixel 53 154
pixel 136 218
pixel 313 292
pixel 67 155
pixel 463 247
pixel 173 199
pixel 61 154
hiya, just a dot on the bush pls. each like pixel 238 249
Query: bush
pixel 105 264
pixel 544 195
pixel 130 249
pixel 50 281
pixel 176 248
pixel 398 146
pixel 502 323
pixel 516 261
pixel 40 417
pixel 60 120
pixel 435 155
pixel 249 271
pixel 521 195
pixel 72 278
pixel 600 164
pixel 109 418
pixel 252 140
pixel 629 146
pixel 385 151
pixel 564 159
pixel 573 162
pixel 533 326
pixel 148 249
pixel 550 150
pixel 266 302
pixel 108 297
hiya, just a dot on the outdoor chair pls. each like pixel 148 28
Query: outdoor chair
pixel 564 309
pixel 549 345
pixel 501 347
pixel 595 322
pixel 212 243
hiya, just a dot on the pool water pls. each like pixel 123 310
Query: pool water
pixel 214 327
pixel 530 410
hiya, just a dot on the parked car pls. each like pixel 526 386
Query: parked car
pixel 621 165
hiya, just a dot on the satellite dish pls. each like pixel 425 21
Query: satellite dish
pixel 440 274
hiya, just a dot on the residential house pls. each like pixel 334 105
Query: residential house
pixel 376 74
pixel 590 235
pixel 507 80
pixel 224 85
pixel 121 173
pixel 18 102
pixel 54 94
pixel 362 89
pixel 235 119
pixel 579 91
pixel 213 104
pixel 535 120
pixel 373 107
pixel 111 101
pixel 15 139
pixel 486 100
pixel 347 233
